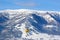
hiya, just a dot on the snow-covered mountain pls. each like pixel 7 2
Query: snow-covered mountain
pixel 41 25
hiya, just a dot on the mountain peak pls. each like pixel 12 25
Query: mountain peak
pixel 15 23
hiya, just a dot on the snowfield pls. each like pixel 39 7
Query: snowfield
pixel 25 24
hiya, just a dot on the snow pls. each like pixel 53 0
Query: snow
pixel 43 25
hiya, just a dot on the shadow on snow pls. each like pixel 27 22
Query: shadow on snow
pixel 40 24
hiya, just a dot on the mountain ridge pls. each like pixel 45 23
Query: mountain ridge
pixel 39 23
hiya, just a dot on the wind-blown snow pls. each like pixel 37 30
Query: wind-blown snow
pixel 42 25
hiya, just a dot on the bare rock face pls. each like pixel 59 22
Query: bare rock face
pixel 40 25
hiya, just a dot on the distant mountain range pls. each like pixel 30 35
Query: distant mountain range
pixel 42 25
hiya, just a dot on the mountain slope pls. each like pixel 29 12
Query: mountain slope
pixel 42 25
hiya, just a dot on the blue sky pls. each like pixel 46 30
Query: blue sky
pixel 30 4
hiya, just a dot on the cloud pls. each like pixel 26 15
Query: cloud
pixel 26 4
